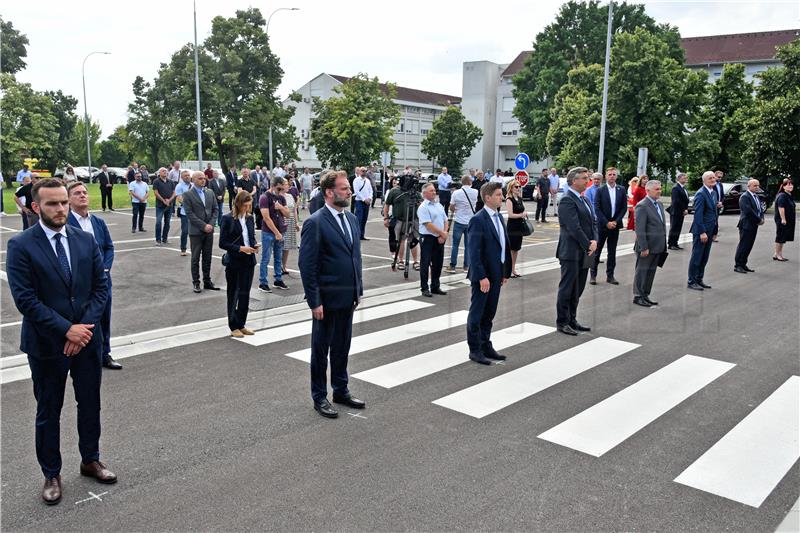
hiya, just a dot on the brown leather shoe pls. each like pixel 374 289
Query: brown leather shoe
pixel 98 470
pixel 237 334
pixel 247 331
pixel 51 492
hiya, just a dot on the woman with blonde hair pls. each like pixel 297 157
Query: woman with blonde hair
pixel 516 218
pixel 633 186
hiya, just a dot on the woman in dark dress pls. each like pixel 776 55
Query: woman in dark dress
pixel 516 215
pixel 784 218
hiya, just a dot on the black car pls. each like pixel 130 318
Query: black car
pixel 730 197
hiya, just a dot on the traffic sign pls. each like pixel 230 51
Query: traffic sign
pixel 522 177
pixel 522 161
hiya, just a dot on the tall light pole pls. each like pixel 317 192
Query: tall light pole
pixel 86 110
pixel 267 33
pixel 605 90
pixel 197 93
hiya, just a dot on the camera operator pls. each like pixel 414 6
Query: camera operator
pixel 433 235
pixel 403 201
pixel 445 182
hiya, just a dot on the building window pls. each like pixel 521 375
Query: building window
pixel 509 129
pixel 425 127
pixel 508 103
pixel 401 126
pixel 412 126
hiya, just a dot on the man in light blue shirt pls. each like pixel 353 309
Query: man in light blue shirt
pixel 444 181
pixel 591 191
pixel 554 184
pixel 22 174
pixel 432 236
pixel 184 186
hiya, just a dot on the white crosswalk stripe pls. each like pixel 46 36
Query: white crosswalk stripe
pixel 370 341
pixel 747 463
pixel 495 394
pixel 603 426
pixel 428 363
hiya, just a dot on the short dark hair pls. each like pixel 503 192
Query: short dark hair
pixel 487 189
pixel 46 183
pixel 328 180
pixel 277 180
pixel 76 184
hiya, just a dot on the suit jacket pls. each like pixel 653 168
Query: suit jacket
pixel 230 239
pixel 49 305
pixel 230 179
pixel 720 191
pixel 705 212
pixel 651 231
pixel 330 264
pixel 104 179
pixel 484 246
pixel 101 236
pixel 602 207
pixel 199 215
pixel 750 216
pixel 218 186
pixel 577 228
pixel 679 200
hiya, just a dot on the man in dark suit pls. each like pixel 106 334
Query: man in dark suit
pixel 487 241
pixel 80 218
pixel 651 242
pixel 201 208
pixel 577 243
pixel 610 205
pixel 104 179
pixel 678 209
pixel 750 218
pixel 705 219
pixel 330 267
pixel 230 181
pixel 58 283
pixel 718 175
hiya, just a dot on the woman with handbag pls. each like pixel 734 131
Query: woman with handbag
pixel 518 224
pixel 237 237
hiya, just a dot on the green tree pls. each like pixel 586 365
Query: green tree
pixel 772 130
pixel 357 124
pixel 64 108
pixel 76 148
pixel 115 151
pixel 13 48
pixel 148 127
pixel 577 37
pixel 451 139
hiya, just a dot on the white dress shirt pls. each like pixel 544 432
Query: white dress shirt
pixel 85 223
pixel 362 188
pixel 497 222
pixel 245 236
pixel 64 240
pixel 335 214
pixel 612 194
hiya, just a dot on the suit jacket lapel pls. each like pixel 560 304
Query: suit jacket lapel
pixel 490 221
pixel 338 227
pixel 73 250
pixel 41 238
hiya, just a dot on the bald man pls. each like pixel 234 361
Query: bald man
pixel 201 207
pixel 751 216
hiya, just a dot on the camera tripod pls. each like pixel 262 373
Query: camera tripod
pixel 408 235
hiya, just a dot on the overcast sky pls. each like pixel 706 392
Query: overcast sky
pixel 415 43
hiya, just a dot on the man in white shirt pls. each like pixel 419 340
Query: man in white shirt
pixel 175 172
pixel 362 189
pixel 432 235
pixel 278 172
pixel 464 205
pixel 555 182
pixel 445 181
pixel 307 181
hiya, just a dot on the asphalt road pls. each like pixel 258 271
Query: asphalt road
pixel 221 434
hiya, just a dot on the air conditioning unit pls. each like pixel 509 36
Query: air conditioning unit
pixel 305 146
pixel 304 134
pixel 307 100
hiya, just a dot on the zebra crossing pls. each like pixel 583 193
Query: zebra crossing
pixel 744 466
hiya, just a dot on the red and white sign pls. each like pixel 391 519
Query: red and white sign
pixel 522 177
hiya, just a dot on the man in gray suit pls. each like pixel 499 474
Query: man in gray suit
pixel 201 209
pixel 651 242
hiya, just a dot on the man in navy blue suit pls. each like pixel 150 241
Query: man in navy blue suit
pixel 610 205
pixel 80 217
pixel 58 282
pixel 705 220
pixel 330 267
pixel 750 218
pixel 718 175
pixel 487 240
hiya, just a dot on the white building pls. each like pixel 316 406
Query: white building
pixel 418 109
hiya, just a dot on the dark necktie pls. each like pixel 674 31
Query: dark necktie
pixel 62 258
pixel 588 207
pixel 344 228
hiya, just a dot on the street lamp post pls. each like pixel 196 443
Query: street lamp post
pixel 267 33
pixel 86 110
pixel 605 90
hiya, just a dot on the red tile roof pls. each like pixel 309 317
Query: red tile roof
pixel 415 95
pixel 739 47
pixel 516 65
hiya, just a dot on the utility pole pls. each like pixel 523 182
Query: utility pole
pixel 605 90
pixel 197 93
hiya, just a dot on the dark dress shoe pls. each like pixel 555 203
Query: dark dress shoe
pixel 364 239
pixel 210 286
pixel 427 294
pixel 592 281
pixel 98 470
pixel 612 281
pixel 478 357
pixel 109 362
pixel 326 409
pixel 440 292
pixel 694 286
pixel 491 354
pixel 196 287
pixel 740 270
pixel 566 329
pixel 578 327
pixel 648 300
pixel 641 302
pixel 748 269
pixel 703 285
pixel 350 401
pixel 51 492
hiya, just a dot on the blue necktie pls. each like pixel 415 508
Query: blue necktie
pixel 344 229
pixel 62 258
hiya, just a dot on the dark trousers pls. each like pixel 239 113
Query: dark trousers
pixel 25 224
pixel 431 257
pixel 105 321
pixel 444 199
pixel 201 245
pixel 184 231
pixel 697 263
pixel 219 211
pixel 747 238
pixel 49 378
pixel 611 237
pixel 138 215
pixel 362 214
pixel 541 207
pixel 675 226
pixel 644 274
pixel 482 308
pixel 330 337
pixel 232 197
pixel 106 197
pixel 239 280
pixel 163 213
pixel 570 288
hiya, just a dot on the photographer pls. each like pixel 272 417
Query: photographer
pixel 433 235
pixel 403 201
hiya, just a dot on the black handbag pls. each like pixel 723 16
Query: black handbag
pixel 527 227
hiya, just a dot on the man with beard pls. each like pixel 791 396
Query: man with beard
pixel 330 267
pixel 58 283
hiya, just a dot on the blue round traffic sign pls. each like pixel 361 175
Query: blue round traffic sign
pixel 522 161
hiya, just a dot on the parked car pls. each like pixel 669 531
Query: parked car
pixel 730 197
pixel 118 175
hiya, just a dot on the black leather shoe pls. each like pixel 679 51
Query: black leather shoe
pixel 703 285
pixel 641 302
pixel 109 362
pixel 578 327
pixel 494 355
pixel 740 270
pixel 694 286
pixel 196 287
pixel 210 286
pixel 51 491
pixel 648 300
pixel 478 357
pixel 440 292
pixel 427 294
pixel 326 409
pixel 592 281
pixel 612 281
pixel 566 330
pixel 749 269
pixel 350 401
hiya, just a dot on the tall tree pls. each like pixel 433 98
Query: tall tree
pixel 148 125
pixel 356 125
pixel 13 48
pixel 451 139
pixel 577 37
pixel 64 108
pixel 76 150
pixel 116 151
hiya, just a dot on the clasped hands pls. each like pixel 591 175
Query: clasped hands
pixel 78 336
